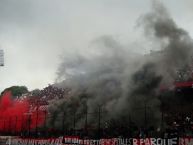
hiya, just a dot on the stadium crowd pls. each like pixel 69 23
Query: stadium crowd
pixel 177 122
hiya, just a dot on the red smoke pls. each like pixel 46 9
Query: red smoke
pixel 15 115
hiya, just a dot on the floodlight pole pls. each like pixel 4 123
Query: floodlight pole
pixel 1 57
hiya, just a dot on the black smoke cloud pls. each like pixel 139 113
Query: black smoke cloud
pixel 121 82
pixel 176 44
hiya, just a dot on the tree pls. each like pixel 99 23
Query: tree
pixel 16 90
pixel 36 92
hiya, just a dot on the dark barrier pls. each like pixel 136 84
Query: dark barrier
pixel 121 141
pixel 75 140
pixel 31 141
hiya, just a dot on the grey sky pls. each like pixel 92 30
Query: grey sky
pixel 36 33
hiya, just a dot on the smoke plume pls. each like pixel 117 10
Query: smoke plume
pixel 124 85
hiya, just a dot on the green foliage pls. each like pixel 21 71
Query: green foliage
pixel 35 92
pixel 16 90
